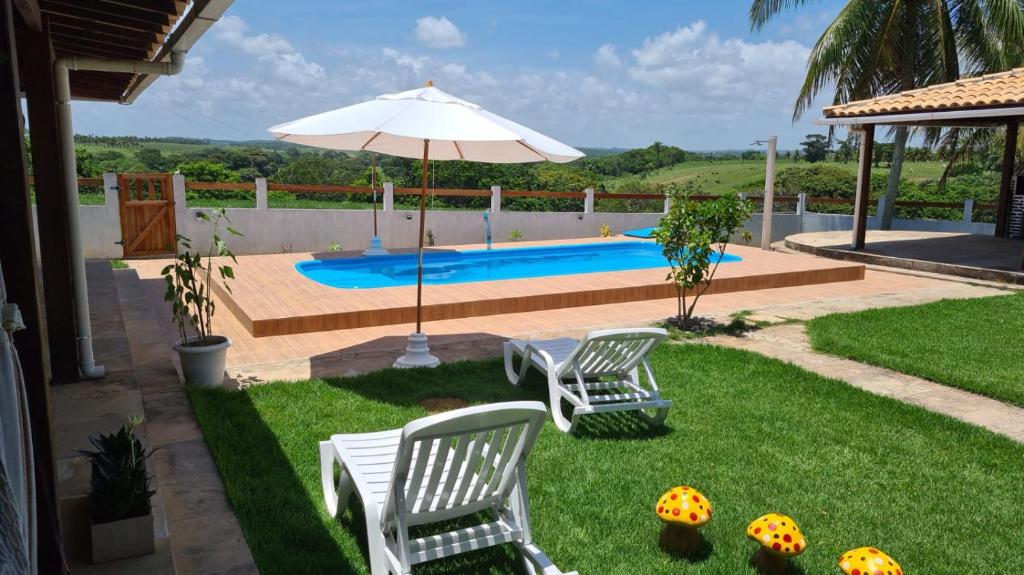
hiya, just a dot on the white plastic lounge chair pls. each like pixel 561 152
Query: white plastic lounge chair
pixel 594 375
pixel 436 469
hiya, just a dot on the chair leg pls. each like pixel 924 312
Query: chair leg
pixel 659 417
pixel 377 548
pixel 336 499
pixel 510 372
pixel 555 399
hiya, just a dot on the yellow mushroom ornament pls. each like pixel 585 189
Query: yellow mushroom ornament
pixel 683 510
pixel 684 505
pixel 777 534
pixel 868 561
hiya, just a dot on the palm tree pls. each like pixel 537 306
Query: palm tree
pixel 878 47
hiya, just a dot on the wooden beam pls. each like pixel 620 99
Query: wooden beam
pixel 127 50
pixel 30 13
pixel 100 18
pixel 51 204
pixel 18 258
pixel 863 199
pixel 1009 158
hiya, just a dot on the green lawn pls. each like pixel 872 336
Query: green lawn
pixel 974 344
pixel 755 435
pixel 724 176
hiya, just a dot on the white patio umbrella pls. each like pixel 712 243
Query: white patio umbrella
pixel 430 124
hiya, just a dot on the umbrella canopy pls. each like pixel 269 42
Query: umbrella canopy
pixel 397 124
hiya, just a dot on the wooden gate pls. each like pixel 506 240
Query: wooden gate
pixel 147 214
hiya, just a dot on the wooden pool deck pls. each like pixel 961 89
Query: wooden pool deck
pixel 271 298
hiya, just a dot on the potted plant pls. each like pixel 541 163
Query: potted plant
pixel 189 290
pixel 122 518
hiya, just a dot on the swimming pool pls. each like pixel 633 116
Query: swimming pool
pixel 449 267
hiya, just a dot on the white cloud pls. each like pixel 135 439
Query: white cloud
pixel 270 49
pixel 608 56
pixel 440 33
pixel 685 86
pixel 692 61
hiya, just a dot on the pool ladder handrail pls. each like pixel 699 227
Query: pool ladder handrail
pixel 487 228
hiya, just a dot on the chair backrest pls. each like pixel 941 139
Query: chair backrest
pixel 612 351
pixel 457 463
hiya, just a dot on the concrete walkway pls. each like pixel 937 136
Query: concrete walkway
pixel 790 343
pixel 965 255
pixel 196 530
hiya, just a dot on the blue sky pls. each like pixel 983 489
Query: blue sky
pixel 590 73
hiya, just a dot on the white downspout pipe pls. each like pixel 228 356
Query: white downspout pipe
pixel 86 360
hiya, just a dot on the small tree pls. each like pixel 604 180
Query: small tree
pixel 816 148
pixel 693 236
pixel 189 282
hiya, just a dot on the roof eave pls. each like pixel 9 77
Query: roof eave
pixel 200 17
pixel 988 115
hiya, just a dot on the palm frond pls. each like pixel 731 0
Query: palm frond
pixel 762 11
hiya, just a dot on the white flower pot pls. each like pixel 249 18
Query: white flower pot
pixel 121 539
pixel 203 365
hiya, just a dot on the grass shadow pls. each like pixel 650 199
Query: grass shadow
pixel 685 544
pixel 620 425
pixel 767 564
pixel 235 432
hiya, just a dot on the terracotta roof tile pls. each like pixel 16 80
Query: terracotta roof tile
pixel 1000 89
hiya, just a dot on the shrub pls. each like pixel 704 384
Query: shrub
pixel 120 487
pixel 693 235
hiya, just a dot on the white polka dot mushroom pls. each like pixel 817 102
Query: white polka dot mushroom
pixel 683 510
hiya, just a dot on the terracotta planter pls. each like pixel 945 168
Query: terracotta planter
pixel 121 539
pixel 203 365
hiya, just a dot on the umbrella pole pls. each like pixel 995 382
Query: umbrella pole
pixel 373 186
pixel 417 351
pixel 375 249
pixel 423 212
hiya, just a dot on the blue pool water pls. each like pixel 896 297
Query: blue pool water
pixel 449 267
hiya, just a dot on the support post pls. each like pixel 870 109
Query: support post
pixel 1009 157
pixel 801 203
pixel 261 193
pixel 180 204
pixel 968 211
pixel 769 195
pixel 668 204
pixel 18 258
pixel 495 199
pixel 51 204
pixel 860 210
pixel 588 201
pixel 389 197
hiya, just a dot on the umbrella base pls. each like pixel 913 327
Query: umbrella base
pixel 375 249
pixel 417 353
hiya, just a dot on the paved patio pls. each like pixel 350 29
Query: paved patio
pixel 360 350
pixel 270 297
pixel 966 255
pixel 196 530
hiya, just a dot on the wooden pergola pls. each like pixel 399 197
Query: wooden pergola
pixel 990 101
pixel 105 50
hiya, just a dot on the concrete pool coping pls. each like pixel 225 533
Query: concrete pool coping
pixel 270 297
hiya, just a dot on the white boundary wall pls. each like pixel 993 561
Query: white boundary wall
pixel 278 230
